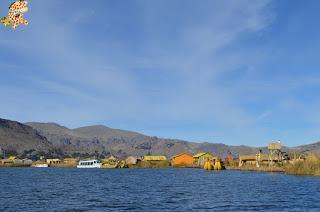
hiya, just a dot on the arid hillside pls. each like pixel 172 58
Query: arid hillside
pixel 52 139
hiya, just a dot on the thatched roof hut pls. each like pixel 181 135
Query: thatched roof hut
pixel 110 161
pixel 131 160
pixel 154 158
pixel 112 158
pixel 201 158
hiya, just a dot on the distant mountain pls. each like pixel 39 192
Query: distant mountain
pixel 51 139
pixel 315 148
pixel 17 138
pixel 103 140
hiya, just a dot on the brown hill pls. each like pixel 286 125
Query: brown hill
pixel 17 138
pixel 314 148
pixel 103 140
pixel 51 139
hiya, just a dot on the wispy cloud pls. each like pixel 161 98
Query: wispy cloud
pixel 156 64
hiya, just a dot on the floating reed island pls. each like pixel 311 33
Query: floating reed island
pixel 184 160
pixel 274 160
pixel 309 166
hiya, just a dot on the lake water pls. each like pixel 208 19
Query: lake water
pixel 55 189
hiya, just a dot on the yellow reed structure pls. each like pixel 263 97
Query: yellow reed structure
pixel 207 166
pixel 217 165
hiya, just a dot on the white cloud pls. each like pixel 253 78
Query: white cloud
pixel 187 55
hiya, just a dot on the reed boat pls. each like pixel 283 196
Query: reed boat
pixel 40 165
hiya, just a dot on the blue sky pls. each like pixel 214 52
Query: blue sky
pixel 234 72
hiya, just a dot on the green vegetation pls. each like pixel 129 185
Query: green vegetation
pixel 309 166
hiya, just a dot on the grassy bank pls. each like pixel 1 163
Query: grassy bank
pixel 311 166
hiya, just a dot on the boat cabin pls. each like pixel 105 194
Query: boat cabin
pixel 89 164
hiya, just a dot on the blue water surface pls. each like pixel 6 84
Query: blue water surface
pixel 58 189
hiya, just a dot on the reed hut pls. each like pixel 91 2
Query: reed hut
pixel 53 161
pixel 22 162
pixel 131 160
pixel 71 161
pixel 110 162
pixel 154 158
pixel 247 159
pixel 6 161
pixel 183 160
pixel 155 161
pixel 201 158
pixel 258 159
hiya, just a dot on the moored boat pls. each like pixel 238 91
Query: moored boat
pixel 40 165
pixel 89 164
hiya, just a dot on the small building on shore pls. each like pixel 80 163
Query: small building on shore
pixel 24 162
pixel 258 159
pixel 247 160
pixel 201 158
pixel 182 159
pixel 6 161
pixel 16 162
pixel 53 161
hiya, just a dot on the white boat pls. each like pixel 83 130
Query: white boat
pixel 40 165
pixel 89 164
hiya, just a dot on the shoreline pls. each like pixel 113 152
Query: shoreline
pixel 243 169
pixel 283 169
pixel 253 168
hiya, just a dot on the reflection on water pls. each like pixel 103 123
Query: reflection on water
pixel 36 189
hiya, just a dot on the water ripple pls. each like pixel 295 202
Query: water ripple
pixel 35 189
